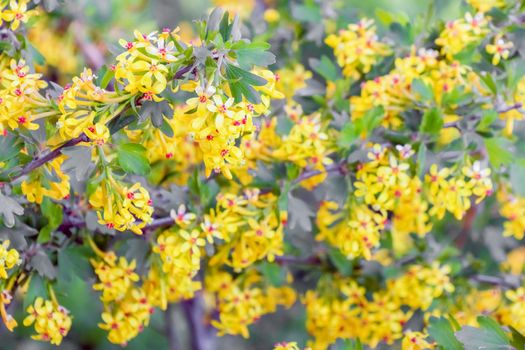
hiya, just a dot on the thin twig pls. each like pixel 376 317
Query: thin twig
pixel 39 161
pixel 498 281
pixel 202 335
pixel 340 167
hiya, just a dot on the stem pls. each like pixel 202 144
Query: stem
pixel 328 169
pixel 498 281
pixel 38 162
pixel 201 336
pixel 171 333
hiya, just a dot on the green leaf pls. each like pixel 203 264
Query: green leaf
pixel 10 147
pixel 73 263
pixel 282 202
pixel 8 209
pixel 344 266
pixel 497 149
pixel 224 27
pixel 421 159
pixel 239 74
pixel 53 213
pixel 422 89
pixel 35 54
pixel 487 79
pixel 239 90
pixel 352 130
pixel 518 340
pixel 273 273
pixel 41 263
pixel 487 119
pixel 106 76
pixel 489 336
pixel 78 161
pixel 250 54
pixel 325 67
pixel 442 332
pixel 36 289
pixel 132 158
pixel 351 344
pixel 432 122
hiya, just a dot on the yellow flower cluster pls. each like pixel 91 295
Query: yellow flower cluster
pixel 512 313
pixel 486 5
pixel 416 341
pixel 286 346
pixel 512 208
pixel 127 308
pixel 307 145
pixel 37 185
pixel 21 103
pixel 51 321
pixel 143 67
pixel 343 311
pixel 243 300
pixel 394 91
pixel 120 207
pixel 16 13
pixel 461 33
pixel 357 235
pixel 290 80
pixel 77 105
pixel 357 49
pixel 180 254
pixel 9 258
pixel 9 321
pixel 500 49
pixel 216 122
pixel 249 226
pixel 385 185
pixel 452 192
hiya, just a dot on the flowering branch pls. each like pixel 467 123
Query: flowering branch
pixel 336 167
pixel 39 161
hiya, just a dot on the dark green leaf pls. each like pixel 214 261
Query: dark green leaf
pixel 250 54
pixel 442 332
pixel 238 74
pixel 325 67
pixel 422 89
pixel 132 158
pixel 53 213
pixel 497 149
pixel 273 273
pixel 432 122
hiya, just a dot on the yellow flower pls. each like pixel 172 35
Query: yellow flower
pixel 9 258
pixel 51 321
pixel 499 50
pixel 271 15
pixel 357 48
pixel 17 13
